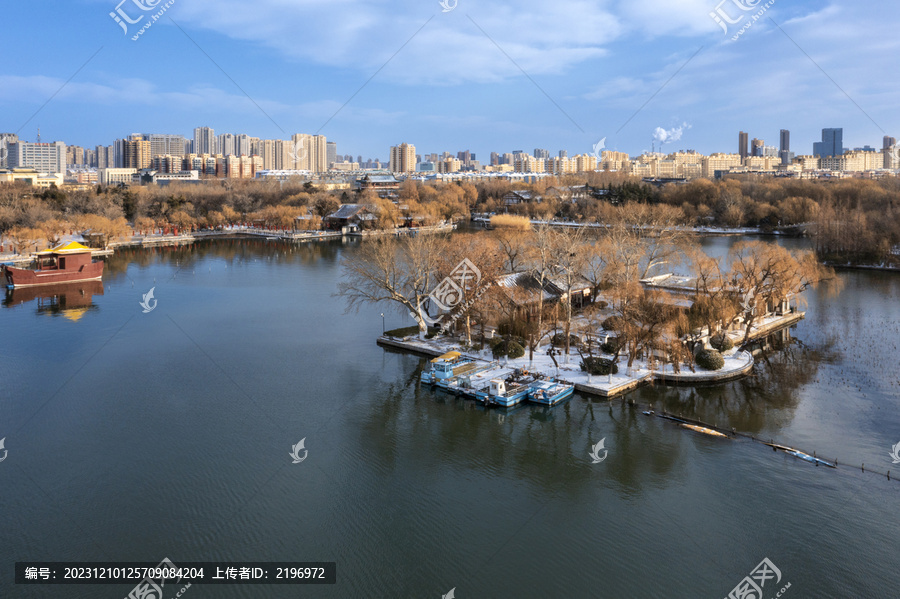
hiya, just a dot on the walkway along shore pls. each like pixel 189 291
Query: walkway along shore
pixel 237 233
pixel 737 364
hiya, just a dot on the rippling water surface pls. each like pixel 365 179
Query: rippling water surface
pixel 134 437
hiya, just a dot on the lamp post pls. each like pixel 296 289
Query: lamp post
pixel 382 323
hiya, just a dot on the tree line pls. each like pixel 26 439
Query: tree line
pixel 852 219
pixel 609 264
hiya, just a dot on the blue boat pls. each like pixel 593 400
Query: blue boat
pixel 504 393
pixel 549 392
pixel 447 366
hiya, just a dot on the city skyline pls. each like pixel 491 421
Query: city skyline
pixel 242 70
pixel 205 140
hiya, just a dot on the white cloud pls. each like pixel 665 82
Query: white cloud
pixel 541 37
pixel 664 136
pixel 139 93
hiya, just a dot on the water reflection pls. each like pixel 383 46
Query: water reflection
pixel 549 446
pixel 69 300
pixel 233 252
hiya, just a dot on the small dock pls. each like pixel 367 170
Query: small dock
pixel 737 364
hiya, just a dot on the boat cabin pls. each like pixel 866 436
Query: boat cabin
pixel 70 257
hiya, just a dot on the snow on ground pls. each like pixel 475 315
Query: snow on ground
pixel 735 363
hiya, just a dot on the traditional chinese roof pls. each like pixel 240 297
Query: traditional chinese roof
pixel 380 179
pixel 522 195
pixel 579 283
pixel 71 247
pixel 346 211
pixel 525 284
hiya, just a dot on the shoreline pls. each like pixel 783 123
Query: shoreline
pixel 139 241
pixel 737 364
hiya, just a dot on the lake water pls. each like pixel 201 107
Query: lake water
pixel 136 436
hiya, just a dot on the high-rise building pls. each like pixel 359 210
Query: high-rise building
pixel 832 143
pixel 167 163
pixel 756 147
pixel 267 153
pixel 205 141
pixel 225 144
pixel 284 154
pixel 43 157
pixel 889 142
pixel 331 153
pixel 75 155
pixel 563 154
pixel 118 155
pixel 162 144
pixel 784 147
pixel 448 165
pixel 6 139
pixel 403 158
pixel 742 144
pixel 242 145
pixel 541 154
pixel 784 139
pixel 137 152
pixel 103 154
pixel 309 152
pixel 529 164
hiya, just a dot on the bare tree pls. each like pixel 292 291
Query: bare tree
pixel 715 303
pixel 542 264
pixel 645 320
pixel 24 238
pixel 54 230
pixel 569 258
pixel 486 257
pixel 515 243
pixel 400 271
pixel 765 274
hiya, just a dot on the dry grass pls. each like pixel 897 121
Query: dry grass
pixel 510 221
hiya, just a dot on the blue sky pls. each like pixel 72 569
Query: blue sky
pixel 485 76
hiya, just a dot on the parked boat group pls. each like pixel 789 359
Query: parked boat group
pixel 493 384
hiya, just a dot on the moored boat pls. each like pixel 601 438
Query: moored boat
pixel 447 366
pixel 549 392
pixel 504 393
pixel 66 263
